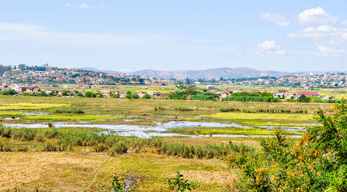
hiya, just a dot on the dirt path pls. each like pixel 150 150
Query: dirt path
pixel 97 173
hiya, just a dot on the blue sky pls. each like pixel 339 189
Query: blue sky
pixel 132 35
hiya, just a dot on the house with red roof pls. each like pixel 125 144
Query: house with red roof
pixel 310 94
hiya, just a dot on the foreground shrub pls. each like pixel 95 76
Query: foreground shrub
pixel 180 185
pixel 117 185
pixel 318 162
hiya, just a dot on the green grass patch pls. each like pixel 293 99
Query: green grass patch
pixel 18 106
pixel 261 116
pixel 8 113
pixel 68 117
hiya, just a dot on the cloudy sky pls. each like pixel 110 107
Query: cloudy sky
pixel 129 35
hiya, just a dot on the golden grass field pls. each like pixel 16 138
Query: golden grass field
pixel 78 171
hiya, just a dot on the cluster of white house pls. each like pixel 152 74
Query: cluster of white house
pixel 282 94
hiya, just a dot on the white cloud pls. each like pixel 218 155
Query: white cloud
pixel 316 16
pixel 291 35
pixel 68 5
pixel 344 22
pixel 103 5
pixel 84 6
pixel 33 35
pixel 269 48
pixel 322 32
pixel 328 51
pixel 279 20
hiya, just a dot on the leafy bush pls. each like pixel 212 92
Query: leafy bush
pixel 178 95
pixel 90 94
pixel 205 97
pixel 117 185
pixel 182 108
pixel 135 96
pixel 304 99
pixel 9 92
pixel 73 110
pixel 147 96
pixel 180 185
pixel 318 162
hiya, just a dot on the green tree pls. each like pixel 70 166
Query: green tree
pixel 128 95
pixel 135 96
pixel 147 96
pixel 43 93
pixel 90 94
pixel 304 99
pixel 65 93
pixel 190 91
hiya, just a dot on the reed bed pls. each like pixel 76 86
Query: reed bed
pixel 53 139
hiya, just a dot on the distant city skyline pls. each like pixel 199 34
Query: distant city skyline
pixel 135 35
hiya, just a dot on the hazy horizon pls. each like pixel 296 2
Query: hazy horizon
pixel 131 36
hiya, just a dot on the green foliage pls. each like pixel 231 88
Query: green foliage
pixel 304 99
pixel 178 95
pixel 115 96
pixel 246 98
pixel 205 97
pixel 66 139
pixel 147 96
pixel 128 95
pixel 319 100
pixel 318 162
pixel 252 97
pixel 65 93
pixel 183 108
pixel 190 91
pixel 90 94
pixel 135 96
pixel 178 184
pixel 73 110
pixel 117 185
pixel 119 148
pixel 231 109
pixel 43 94
pixel 9 92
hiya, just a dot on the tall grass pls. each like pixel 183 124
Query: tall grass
pixel 67 139
pixel 231 109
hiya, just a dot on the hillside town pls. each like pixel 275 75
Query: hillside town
pixel 47 76
pixel 308 81
pixel 53 77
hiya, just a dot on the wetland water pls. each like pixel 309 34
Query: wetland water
pixel 148 131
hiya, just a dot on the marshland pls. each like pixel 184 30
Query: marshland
pixel 76 143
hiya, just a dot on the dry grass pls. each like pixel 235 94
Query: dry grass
pixel 49 171
pixel 75 171
pixel 210 177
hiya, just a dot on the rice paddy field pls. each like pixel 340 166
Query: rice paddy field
pixel 76 144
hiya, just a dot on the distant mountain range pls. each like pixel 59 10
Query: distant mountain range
pixel 215 73
pixel 95 69
pixel 211 73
